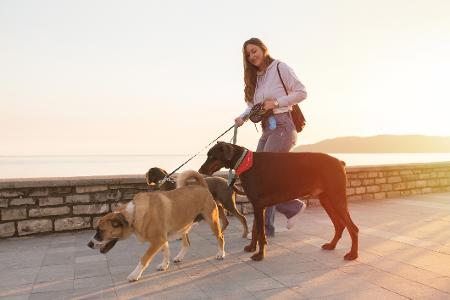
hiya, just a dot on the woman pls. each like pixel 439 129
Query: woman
pixel 263 84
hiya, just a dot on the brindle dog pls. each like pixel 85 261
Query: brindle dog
pixel 278 177
pixel 224 196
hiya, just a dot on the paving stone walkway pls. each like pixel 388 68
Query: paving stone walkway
pixel 404 254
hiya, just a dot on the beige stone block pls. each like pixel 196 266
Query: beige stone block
pixel 14 214
pixel 442 174
pixel 22 201
pixel 114 195
pixel 50 201
pixel 49 211
pixel 410 178
pixel 354 198
pixel 7 229
pixel 39 193
pixel 360 190
pixel 406 172
pixel 421 183
pixel 350 191
pixel 72 223
pixel 368 181
pixel 399 186
pixel 10 193
pixel 61 190
pixel 405 192
pixel 394 179
pixel 393 194
pixel 411 185
pixel 100 197
pixel 424 176
pixel 90 209
pixel 444 181
pixel 34 226
pixel 90 189
pixel 3 202
pixel 427 190
pixel 386 187
pixel 373 174
pixel 362 175
pixel 433 182
pixel 373 189
pixel 78 199
pixel 380 180
pixel 367 196
pixel 379 196
pixel 355 182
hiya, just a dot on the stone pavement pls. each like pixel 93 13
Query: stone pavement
pixel 404 253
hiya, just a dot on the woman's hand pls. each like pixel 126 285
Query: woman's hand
pixel 270 104
pixel 239 121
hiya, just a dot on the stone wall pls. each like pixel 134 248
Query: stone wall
pixel 33 206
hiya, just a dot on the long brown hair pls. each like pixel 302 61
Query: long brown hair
pixel 250 70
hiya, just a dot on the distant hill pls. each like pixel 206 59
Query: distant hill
pixel 380 144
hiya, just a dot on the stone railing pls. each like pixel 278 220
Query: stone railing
pixel 42 205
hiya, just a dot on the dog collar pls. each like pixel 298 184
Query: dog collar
pixel 244 163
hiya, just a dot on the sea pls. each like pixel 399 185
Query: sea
pixel 92 165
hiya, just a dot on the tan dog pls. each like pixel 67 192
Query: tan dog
pixel 156 216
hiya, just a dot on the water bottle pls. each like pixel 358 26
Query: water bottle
pixel 272 123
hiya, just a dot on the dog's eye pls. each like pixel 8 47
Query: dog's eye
pixel 115 224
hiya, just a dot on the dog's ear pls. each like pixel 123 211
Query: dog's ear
pixel 228 151
pixel 119 220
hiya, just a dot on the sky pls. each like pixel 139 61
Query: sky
pixel 166 77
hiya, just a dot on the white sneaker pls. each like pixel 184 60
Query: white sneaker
pixel 291 221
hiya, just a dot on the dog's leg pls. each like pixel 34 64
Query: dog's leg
pixel 223 217
pixel 240 216
pixel 184 248
pixel 259 216
pixel 252 246
pixel 340 205
pixel 145 260
pixel 334 217
pixel 213 220
pixel 165 263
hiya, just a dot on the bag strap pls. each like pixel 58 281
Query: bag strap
pixel 279 75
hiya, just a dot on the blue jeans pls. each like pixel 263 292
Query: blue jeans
pixel 280 139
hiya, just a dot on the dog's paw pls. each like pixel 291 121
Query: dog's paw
pixel 257 257
pixel 328 246
pixel 178 260
pixel 133 277
pixel 162 267
pixel 250 248
pixel 351 256
pixel 220 255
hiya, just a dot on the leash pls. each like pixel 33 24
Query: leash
pixel 162 181
pixel 231 173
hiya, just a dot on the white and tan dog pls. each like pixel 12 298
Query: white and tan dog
pixel 156 216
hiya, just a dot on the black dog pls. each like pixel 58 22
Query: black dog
pixel 218 186
pixel 271 178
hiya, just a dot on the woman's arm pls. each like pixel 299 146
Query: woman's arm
pixel 296 89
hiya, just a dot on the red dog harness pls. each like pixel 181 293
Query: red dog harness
pixel 245 164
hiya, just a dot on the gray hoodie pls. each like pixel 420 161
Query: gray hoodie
pixel 269 86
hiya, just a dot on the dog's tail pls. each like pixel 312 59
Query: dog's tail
pixel 185 176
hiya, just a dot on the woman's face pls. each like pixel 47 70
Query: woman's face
pixel 255 56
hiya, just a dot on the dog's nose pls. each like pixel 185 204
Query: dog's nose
pixel 91 244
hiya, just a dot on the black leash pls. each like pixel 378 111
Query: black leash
pixel 162 181
pixel 256 110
